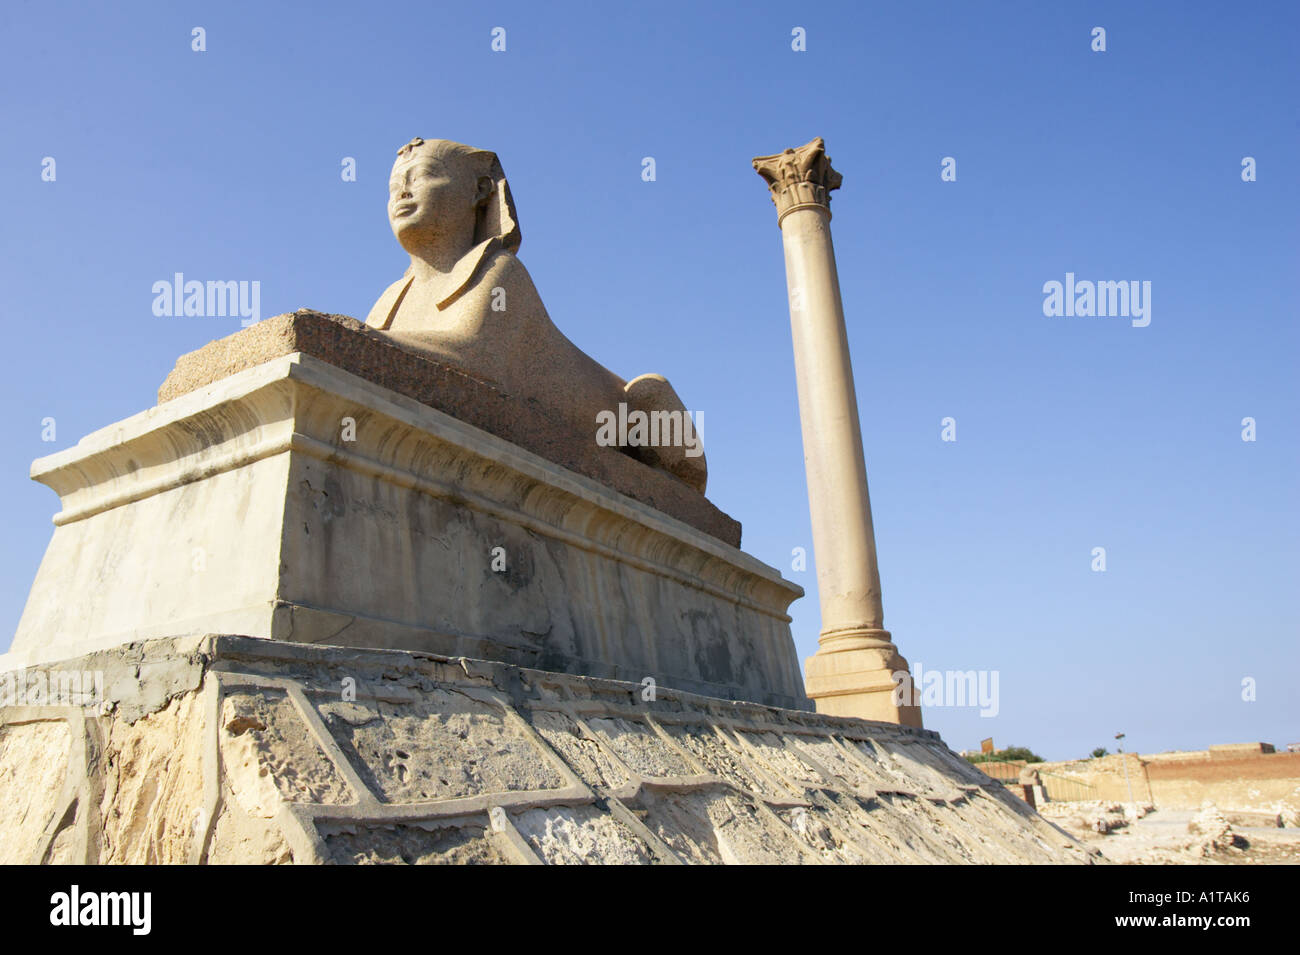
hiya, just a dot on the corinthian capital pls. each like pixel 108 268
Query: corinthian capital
pixel 799 178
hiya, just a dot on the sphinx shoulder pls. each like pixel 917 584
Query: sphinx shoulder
pixel 504 287
pixel 387 301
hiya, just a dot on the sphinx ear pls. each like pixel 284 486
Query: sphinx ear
pixel 485 187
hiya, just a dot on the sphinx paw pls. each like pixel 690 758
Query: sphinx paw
pixel 673 444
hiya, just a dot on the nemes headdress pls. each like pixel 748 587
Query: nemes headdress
pixel 496 217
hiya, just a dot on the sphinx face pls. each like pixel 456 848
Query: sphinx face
pixel 430 200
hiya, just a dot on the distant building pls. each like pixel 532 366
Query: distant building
pixel 1238 750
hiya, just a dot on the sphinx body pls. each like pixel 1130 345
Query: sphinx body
pixel 467 300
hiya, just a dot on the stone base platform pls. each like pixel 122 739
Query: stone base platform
pixel 224 749
pixel 297 501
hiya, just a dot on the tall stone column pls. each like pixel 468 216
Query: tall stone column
pixel 852 673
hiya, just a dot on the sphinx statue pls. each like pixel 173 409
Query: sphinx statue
pixel 467 300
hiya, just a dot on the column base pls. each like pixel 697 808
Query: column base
pixel 858 681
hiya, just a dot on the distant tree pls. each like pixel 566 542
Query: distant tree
pixel 1021 752
pixel 1099 752
pixel 1006 755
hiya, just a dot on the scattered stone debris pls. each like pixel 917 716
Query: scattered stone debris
pixel 1214 832
pixel 1092 816
pixel 1142 835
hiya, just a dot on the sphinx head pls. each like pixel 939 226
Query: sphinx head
pixel 449 196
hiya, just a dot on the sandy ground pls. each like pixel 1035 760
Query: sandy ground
pixel 1173 837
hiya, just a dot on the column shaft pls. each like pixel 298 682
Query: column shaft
pixel 848 579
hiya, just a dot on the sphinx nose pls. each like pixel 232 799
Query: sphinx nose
pixel 404 194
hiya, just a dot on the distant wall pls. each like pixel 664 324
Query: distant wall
pixel 1236 778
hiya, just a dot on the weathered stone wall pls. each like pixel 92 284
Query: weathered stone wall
pixel 231 749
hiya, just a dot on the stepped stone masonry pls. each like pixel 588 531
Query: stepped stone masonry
pixel 236 750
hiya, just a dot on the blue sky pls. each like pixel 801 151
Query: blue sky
pixel 1072 433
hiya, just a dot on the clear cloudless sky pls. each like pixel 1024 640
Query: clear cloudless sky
pixel 1072 433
